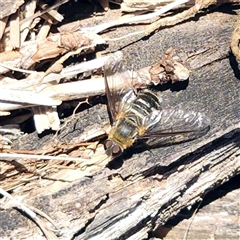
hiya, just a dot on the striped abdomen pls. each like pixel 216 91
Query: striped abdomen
pixel 126 128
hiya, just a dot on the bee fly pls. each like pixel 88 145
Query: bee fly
pixel 140 115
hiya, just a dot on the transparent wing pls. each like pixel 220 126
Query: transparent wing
pixel 118 85
pixel 168 126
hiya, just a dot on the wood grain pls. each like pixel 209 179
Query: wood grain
pixel 132 197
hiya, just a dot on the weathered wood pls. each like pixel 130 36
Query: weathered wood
pixel 129 199
pixel 217 217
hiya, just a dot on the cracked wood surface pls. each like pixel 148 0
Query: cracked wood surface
pixel 130 198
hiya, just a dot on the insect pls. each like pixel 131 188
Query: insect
pixel 140 116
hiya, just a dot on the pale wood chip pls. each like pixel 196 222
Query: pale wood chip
pixel 29 9
pixel 45 118
pixel 15 30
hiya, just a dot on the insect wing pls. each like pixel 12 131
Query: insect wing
pixel 118 85
pixel 168 126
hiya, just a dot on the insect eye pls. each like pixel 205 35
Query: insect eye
pixel 116 151
pixel 108 144
pixel 112 149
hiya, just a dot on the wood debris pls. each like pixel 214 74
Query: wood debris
pixel 37 51
pixel 142 5
pixel 32 51
pixel 41 93
pixel 31 214
pixel 168 68
pixel 42 70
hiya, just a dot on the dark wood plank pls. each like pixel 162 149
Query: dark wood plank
pixel 129 199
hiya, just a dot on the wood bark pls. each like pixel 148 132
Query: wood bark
pixel 132 197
